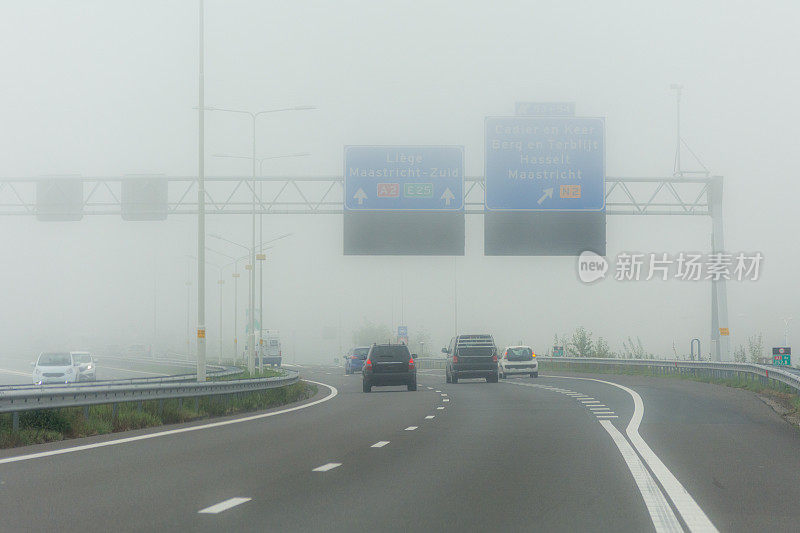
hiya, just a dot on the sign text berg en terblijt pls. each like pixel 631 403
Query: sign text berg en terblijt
pixel 545 163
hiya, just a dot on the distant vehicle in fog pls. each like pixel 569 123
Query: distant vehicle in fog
pixel 354 360
pixel 518 360
pixel 85 366
pixel 471 356
pixel 54 367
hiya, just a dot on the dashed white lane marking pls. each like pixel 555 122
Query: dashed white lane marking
pixel 326 467
pixel 438 391
pixel 224 506
pixel 445 399
pixel 599 408
pixel 440 407
pixel 606 416
pixel 661 513
pixel 411 428
pixel 380 444
pixel 444 394
pixel 429 388
pixel 429 417
pixel 334 392
pixel 590 402
pixel 104 367
pixel 16 372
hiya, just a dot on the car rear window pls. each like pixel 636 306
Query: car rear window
pixel 361 352
pixel 82 358
pixel 390 353
pixel 476 351
pixel 519 354
pixel 54 359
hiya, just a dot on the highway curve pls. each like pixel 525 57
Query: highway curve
pixel 557 453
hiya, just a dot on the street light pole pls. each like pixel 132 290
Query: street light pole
pixel 201 222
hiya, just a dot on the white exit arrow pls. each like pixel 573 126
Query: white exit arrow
pixel 447 196
pixel 360 195
pixel 548 193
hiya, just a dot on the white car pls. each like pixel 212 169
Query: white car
pixel 518 360
pixel 84 364
pixel 54 367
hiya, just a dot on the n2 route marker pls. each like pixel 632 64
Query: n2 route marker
pixel 404 178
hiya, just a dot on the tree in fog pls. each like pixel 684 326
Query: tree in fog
pixel 635 350
pixel 581 344
pixel 755 346
pixel 369 332
pixel 601 349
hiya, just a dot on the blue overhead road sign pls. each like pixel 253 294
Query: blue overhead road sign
pixel 545 163
pixel 404 178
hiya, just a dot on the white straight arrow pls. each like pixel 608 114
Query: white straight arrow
pixel 447 196
pixel 360 195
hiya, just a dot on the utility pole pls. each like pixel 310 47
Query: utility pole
pixel 676 171
pixel 201 218
pixel 786 330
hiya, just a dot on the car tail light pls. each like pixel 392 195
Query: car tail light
pixel 494 358
pixel 455 359
pixel 368 364
pixel 411 364
pixel 353 357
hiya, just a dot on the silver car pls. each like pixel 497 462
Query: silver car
pixel 54 367
pixel 84 364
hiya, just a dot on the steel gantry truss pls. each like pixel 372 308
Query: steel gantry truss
pixel 324 195
pixel 307 195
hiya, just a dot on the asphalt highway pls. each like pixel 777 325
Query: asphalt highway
pixel 557 453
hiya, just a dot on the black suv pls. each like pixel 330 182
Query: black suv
pixel 389 364
pixel 471 356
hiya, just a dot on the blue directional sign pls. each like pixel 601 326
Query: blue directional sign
pixel 404 178
pixel 545 163
pixel 402 331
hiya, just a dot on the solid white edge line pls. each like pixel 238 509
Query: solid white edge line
pixel 148 436
pixel 661 513
pixel 692 514
pixel 224 506
pixel 326 467
pixel 380 444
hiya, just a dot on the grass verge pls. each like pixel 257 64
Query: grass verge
pixel 48 425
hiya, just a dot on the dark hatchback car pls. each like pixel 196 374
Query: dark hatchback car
pixel 389 364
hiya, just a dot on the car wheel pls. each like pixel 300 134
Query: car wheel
pixel 366 387
pixel 453 378
pixel 534 374
pixel 412 386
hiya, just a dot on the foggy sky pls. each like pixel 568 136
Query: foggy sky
pixel 107 88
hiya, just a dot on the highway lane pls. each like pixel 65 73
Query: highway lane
pixel 528 454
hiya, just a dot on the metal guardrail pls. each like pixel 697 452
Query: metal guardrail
pixel 14 401
pixel 716 369
pixel 426 363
